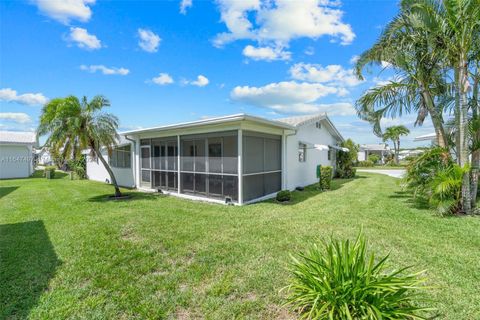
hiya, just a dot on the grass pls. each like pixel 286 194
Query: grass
pixel 65 252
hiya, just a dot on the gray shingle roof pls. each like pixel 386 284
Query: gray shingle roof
pixel 14 137
pixel 300 120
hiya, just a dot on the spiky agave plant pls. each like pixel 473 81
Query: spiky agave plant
pixel 339 280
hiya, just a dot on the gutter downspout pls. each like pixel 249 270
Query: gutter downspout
pixel 134 160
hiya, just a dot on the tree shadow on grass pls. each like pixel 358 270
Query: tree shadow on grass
pixel 41 174
pixel 132 196
pixel 6 190
pixel 413 202
pixel 27 263
pixel 313 190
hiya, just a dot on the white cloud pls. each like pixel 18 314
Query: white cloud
pixel 266 53
pixel 184 5
pixel 309 51
pixel 163 79
pixel 354 59
pixel 66 10
pixel 386 64
pixel 149 41
pixel 83 39
pixel 291 97
pixel 17 117
pixel 276 22
pixel 105 70
pixel 10 95
pixel 201 81
pixel 333 74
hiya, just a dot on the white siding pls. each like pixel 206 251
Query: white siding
pixel 361 156
pixel 96 171
pixel 16 161
pixel 300 174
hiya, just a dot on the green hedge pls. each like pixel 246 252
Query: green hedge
pixel 326 173
pixel 366 163
pixel 50 172
pixel 284 195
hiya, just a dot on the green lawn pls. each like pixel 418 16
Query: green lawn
pixel 67 253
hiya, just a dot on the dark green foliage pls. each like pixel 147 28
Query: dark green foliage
pixel 346 160
pixel 435 178
pixel 326 173
pixel 50 172
pixel 340 280
pixel 78 166
pixel 366 163
pixel 284 195
pixel 422 170
pixel 374 158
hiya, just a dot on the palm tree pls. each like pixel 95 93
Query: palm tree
pixel 393 133
pixel 74 125
pixel 455 27
pixel 418 80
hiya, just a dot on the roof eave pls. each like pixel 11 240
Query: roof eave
pixel 219 120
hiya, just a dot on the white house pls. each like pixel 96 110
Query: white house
pixel 431 137
pixel 238 158
pixel 381 149
pixel 16 154
pixel 43 157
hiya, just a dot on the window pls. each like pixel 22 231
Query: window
pixel 302 152
pixel 121 157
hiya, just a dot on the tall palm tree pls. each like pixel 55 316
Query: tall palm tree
pixel 74 125
pixel 455 27
pixel 418 80
pixel 393 133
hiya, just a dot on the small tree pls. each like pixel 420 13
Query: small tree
pixel 74 125
pixel 393 133
pixel 347 159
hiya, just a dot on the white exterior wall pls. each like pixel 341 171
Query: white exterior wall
pixel 96 171
pixel 300 174
pixel 16 161
pixel 361 156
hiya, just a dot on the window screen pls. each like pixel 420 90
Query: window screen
pixel 273 160
pixel 253 154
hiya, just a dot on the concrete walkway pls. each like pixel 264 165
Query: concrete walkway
pixel 396 173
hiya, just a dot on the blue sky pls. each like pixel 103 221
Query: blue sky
pixel 162 62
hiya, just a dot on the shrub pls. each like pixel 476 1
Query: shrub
pixel 339 280
pixel 346 160
pixel 374 158
pixel 78 166
pixel 50 172
pixel 422 170
pixel 284 195
pixel 446 189
pixel 326 173
pixel 366 163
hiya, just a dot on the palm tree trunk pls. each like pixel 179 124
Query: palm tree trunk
pixel 461 90
pixel 437 119
pixel 476 153
pixel 110 172
pixel 397 151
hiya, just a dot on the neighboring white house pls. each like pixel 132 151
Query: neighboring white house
pixel 43 157
pixel 381 149
pixel 432 137
pixel 16 154
pixel 237 158
pixel 120 161
pixel 409 153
